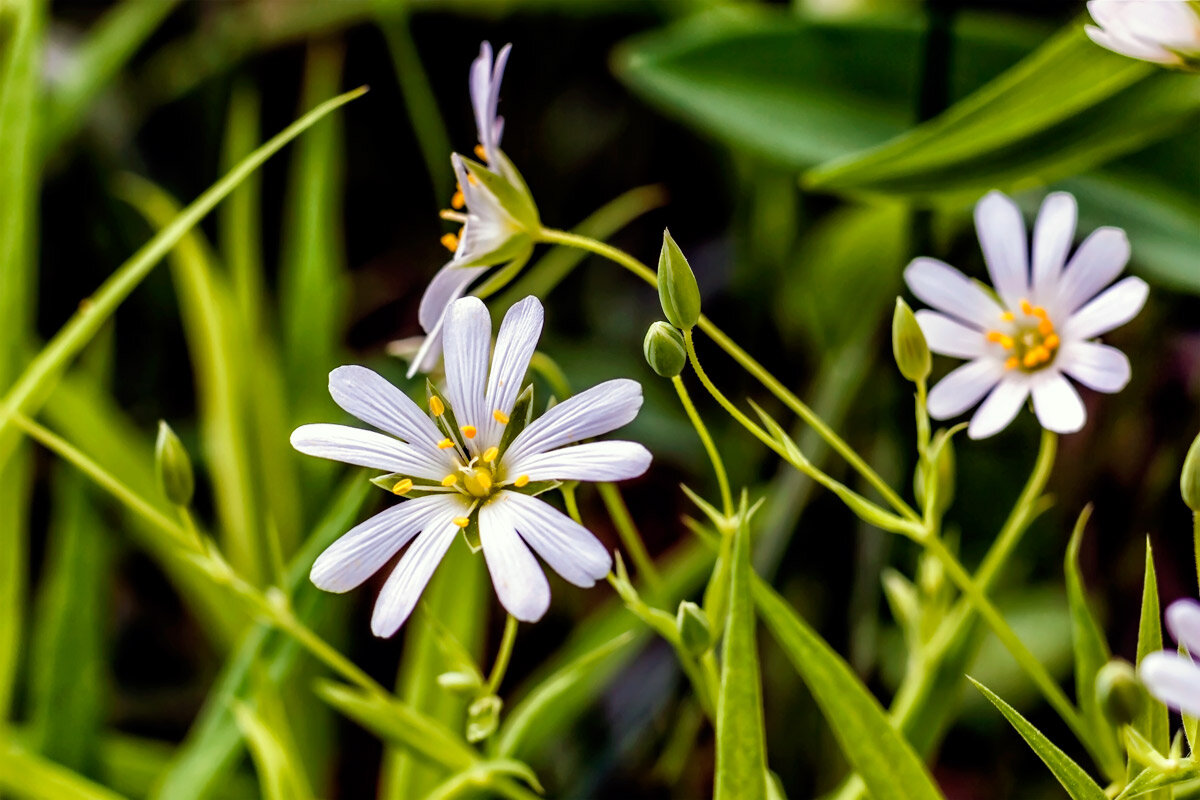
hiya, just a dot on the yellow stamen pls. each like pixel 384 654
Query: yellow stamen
pixel 490 454
pixel 468 431
pixel 445 444
pixel 1031 359
pixel 1008 316
pixel 437 407
pixel 500 417
pixel 450 242
pixel 521 481
pixel 479 151
pixel 1045 327
pixel 1027 308
pixel 1040 312
pixel 1012 363
pixel 1001 339
pixel 402 486
pixel 458 200
pixel 471 179
pixel 450 480
pixel 485 480
pixel 1052 341
pixel 1042 353
pixel 462 522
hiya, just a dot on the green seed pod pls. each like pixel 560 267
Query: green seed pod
pixel 1189 480
pixel 677 289
pixel 1119 693
pixel 908 344
pixel 694 631
pixel 483 717
pixel 174 467
pixel 664 350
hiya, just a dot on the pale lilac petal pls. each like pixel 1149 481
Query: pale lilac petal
pixel 447 286
pixel 370 397
pixel 570 549
pixel 496 127
pixel 1056 403
pixel 1171 23
pixel 1097 366
pixel 367 449
pixel 467 339
pixel 1002 236
pixel 364 549
pixel 515 343
pixel 948 290
pixel 480 85
pixel 964 387
pixel 1053 234
pixel 519 580
pixel 1000 408
pixel 950 338
pixel 1183 621
pixel 594 461
pixel 598 410
pixel 1112 309
pixel 1174 679
pixel 408 580
pixel 1096 264
pixel 1128 46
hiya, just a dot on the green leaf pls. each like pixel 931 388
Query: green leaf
pixel 1072 776
pixel 1149 780
pixel 279 772
pixel 741 745
pixel 26 776
pixel 1153 722
pixel 886 762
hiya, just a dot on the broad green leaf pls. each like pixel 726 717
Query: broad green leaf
pixel 1072 776
pixel 886 762
pixel 1153 721
pixel 27 776
pixel 279 774
pixel 741 742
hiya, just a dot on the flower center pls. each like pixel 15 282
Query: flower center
pixel 1031 341
pixel 478 481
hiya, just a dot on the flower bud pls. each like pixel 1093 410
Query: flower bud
pixel 664 350
pixel 174 467
pixel 694 631
pixel 483 717
pixel 1189 480
pixel 1119 693
pixel 908 344
pixel 677 289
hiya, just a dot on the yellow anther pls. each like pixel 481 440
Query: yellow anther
pixel 437 407
pixel 402 486
pixel 458 200
pixel 1027 308
pixel 462 522
pixel 1031 359
pixel 1008 316
pixel 1045 327
pixel 445 444
pixel 521 481
pixel 1052 341
pixel 1042 353
pixel 468 431
pixel 1001 339
pixel 472 180
pixel 500 417
pixel 1040 312
pixel 450 242
pixel 450 480
pixel 484 479
pixel 1012 362
pixel 479 151
pixel 490 454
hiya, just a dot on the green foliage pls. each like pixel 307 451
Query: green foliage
pixel 1153 722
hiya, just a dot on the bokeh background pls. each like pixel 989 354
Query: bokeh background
pixel 344 227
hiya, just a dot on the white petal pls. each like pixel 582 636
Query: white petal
pixel 427 355
pixel 1172 23
pixel 447 286
pixel 598 410
pixel 467 340
pixel 1183 620
pixel 366 547
pixel 1128 46
pixel 1174 679
pixel 370 397
pixel 568 547
pixel 950 338
pixel 367 449
pixel 1000 408
pixel 963 387
pixel 1005 249
pixel 1056 403
pixel 1097 366
pixel 480 86
pixel 520 583
pixel 1096 264
pixel 1052 236
pixel 1112 309
pixel 404 586
pixel 515 343
pixel 948 290
pixel 594 461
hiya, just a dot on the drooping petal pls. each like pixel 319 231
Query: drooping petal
pixel 1001 232
pixel 600 409
pixel 942 286
pixel 950 338
pixel 1000 407
pixel 1097 366
pixel 570 549
pixel 365 548
pixel 515 343
pixel 1053 234
pixel 520 583
pixel 594 461
pixel 370 397
pixel 1174 679
pixel 1056 403
pixel 1183 621
pixel 367 449
pixel 447 286
pixel 1096 264
pixel 964 387
pixel 480 86
pixel 1117 305
pixel 404 586
pixel 467 339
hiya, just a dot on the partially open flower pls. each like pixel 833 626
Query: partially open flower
pixel 1163 31
pixel 1172 677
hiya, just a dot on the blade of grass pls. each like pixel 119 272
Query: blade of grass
pixel 1152 721
pixel 26 776
pixel 280 770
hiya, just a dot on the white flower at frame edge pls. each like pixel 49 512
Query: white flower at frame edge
pixel 1038 327
pixel 1162 31
pixel 1173 677
pixel 464 476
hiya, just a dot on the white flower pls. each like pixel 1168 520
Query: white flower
pixel 1037 328
pixel 1162 31
pixel 1173 677
pixel 464 473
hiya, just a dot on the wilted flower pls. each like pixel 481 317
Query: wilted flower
pixel 1162 31
pixel 1172 677
pixel 474 464
pixel 1038 327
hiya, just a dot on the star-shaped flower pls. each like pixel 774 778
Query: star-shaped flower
pixel 474 464
pixel 1038 327
pixel 1172 677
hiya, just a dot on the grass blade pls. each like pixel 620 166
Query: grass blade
pixel 1152 720
pixel 26 776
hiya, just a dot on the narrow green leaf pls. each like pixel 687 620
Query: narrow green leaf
pixel 1150 780
pixel 1072 776
pixel 26 776
pixel 279 773
pixel 1153 722
pixel 886 762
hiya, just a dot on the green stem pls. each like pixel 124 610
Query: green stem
pixel 922 420
pixel 1196 539
pixel 620 257
pixel 706 439
pixel 500 666
pixel 568 493
pixel 618 512
pixel 189 525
